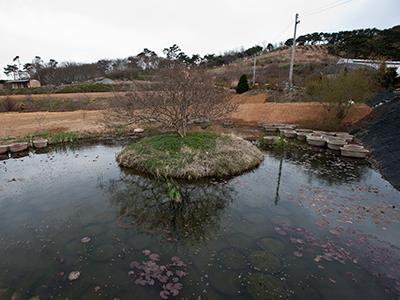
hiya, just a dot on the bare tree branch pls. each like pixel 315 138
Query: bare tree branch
pixel 179 97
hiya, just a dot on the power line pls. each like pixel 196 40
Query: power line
pixel 283 32
pixel 323 9
pixel 314 11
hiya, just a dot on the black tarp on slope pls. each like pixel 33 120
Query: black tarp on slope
pixel 380 132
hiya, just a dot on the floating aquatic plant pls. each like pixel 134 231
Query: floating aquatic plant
pixel 165 276
pixel 376 254
pixel 74 275
pixel 305 241
pixel 85 240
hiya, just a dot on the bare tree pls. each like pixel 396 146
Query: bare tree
pixel 178 98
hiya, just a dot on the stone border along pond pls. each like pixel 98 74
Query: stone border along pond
pixel 40 143
pixel 23 146
pixel 337 141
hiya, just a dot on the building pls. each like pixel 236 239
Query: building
pixel 375 64
pixel 19 84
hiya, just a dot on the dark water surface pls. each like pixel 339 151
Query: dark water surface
pixel 304 225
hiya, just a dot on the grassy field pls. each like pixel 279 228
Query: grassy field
pixel 64 89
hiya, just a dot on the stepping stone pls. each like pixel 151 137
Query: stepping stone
pixel 40 143
pixel 354 151
pixel 3 149
pixel 18 147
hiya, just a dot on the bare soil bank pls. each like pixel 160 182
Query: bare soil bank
pixel 252 109
pixel 22 124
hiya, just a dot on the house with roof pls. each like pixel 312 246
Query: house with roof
pixel 19 84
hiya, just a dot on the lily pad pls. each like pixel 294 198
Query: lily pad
pixel 256 218
pixel 232 258
pixel 265 261
pixel 272 245
pixel 240 240
pixel 281 220
pixel 265 287
pixel 226 282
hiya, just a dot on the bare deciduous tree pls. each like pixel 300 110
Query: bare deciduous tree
pixel 179 97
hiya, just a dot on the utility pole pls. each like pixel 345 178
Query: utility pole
pixel 254 70
pixel 293 53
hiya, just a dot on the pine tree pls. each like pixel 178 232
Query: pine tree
pixel 243 85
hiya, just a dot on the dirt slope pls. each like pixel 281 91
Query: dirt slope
pixel 304 55
pixel 253 109
pixel 272 68
pixel 22 124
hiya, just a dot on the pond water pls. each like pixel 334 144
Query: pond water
pixel 304 225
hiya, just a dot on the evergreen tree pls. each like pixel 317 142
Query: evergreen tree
pixel 243 85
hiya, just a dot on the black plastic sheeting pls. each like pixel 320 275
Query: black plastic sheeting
pixel 380 132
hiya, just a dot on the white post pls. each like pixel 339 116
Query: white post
pixel 254 70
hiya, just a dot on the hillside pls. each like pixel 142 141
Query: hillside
pixel 272 68
pixel 360 43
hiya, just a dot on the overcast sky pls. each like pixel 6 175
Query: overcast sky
pixel 88 30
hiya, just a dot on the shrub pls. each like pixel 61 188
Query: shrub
pixel 71 88
pixel 340 91
pixel 7 105
pixel 62 137
pixel 387 77
pixel 243 85
pixel 86 88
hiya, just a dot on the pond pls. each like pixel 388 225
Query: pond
pixel 303 225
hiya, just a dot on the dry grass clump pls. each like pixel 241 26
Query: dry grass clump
pixel 195 155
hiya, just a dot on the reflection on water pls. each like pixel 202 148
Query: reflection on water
pixel 324 164
pixel 278 181
pixel 144 203
pixel 304 225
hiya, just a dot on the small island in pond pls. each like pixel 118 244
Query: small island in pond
pixel 196 155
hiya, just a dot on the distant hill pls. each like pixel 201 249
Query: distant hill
pixel 360 43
